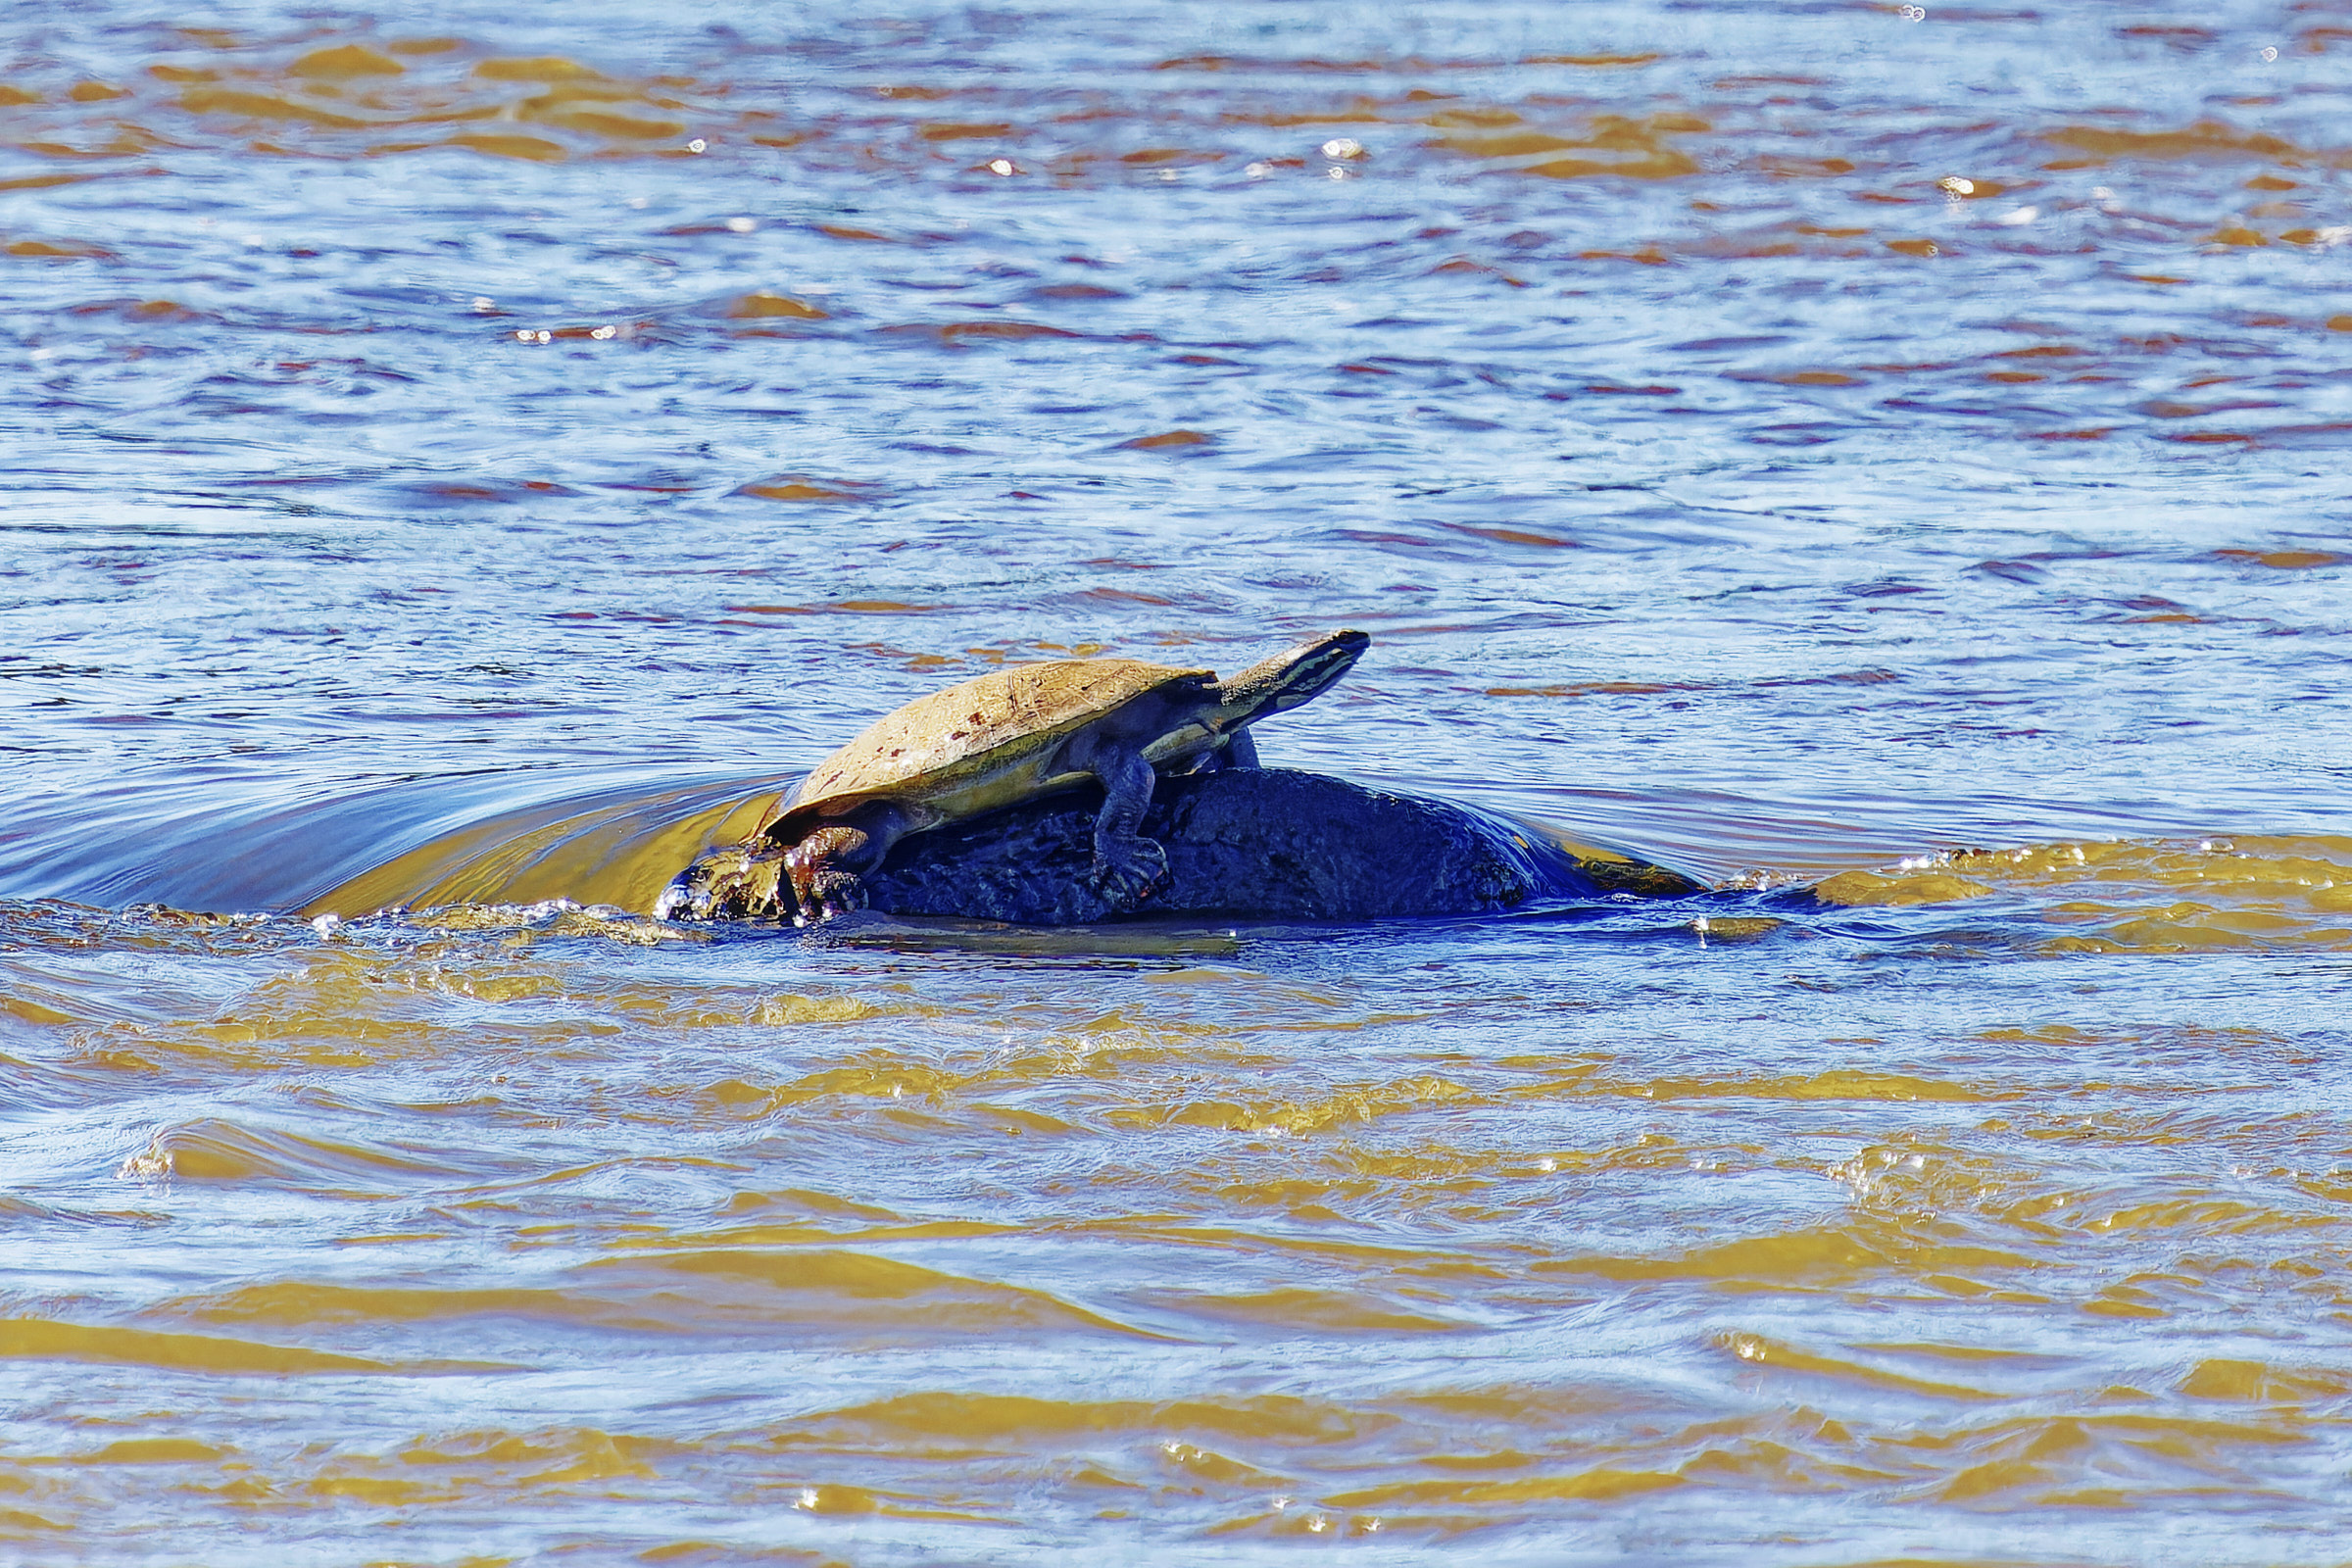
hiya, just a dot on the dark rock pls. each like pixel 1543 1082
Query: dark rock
pixel 1242 842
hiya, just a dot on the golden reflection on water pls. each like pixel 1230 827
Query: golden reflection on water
pixel 2214 894
pixel 620 855
pixel 1365 1204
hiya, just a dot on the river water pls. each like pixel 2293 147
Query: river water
pixel 459 463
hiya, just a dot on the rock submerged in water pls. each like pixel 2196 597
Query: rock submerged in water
pixel 1242 842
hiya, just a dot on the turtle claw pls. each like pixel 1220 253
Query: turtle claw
pixel 1126 874
pixel 822 896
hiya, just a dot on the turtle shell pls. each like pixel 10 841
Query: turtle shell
pixel 981 743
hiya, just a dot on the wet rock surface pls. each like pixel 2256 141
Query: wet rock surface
pixel 1245 843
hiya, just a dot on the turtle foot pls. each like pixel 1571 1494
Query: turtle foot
pixel 823 895
pixel 1130 872
pixel 737 882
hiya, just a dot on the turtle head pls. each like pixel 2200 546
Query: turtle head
pixel 1296 675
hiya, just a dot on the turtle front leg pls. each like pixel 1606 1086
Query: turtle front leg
pixel 824 868
pixel 1128 866
pixel 823 885
pixel 1238 750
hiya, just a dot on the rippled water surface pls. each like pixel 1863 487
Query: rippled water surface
pixel 459 464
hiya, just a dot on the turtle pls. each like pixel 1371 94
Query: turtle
pixel 1012 735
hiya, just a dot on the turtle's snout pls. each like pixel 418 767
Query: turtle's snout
pixel 1329 655
pixel 1292 676
pixel 1311 669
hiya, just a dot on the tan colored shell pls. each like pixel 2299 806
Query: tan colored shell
pixel 998 728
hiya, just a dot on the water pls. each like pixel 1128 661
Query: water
pixel 461 466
